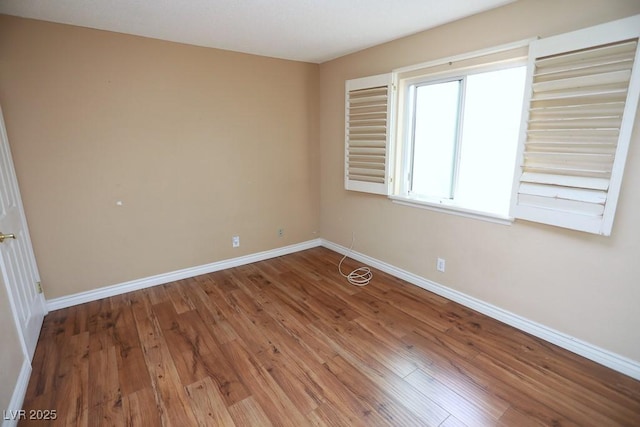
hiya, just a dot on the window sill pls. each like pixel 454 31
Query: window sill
pixel 453 210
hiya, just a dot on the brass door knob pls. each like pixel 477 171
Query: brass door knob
pixel 6 236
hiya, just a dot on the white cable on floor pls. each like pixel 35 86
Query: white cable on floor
pixel 360 276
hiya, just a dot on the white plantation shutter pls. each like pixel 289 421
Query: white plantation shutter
pixel 580 108
pixel 367 134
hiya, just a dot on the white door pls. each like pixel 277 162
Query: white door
pixel 17 261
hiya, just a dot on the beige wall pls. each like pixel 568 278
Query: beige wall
pixel 11 356
pixel 199 144
pixel 580 284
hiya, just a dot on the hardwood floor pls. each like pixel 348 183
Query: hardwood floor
pixel 289 342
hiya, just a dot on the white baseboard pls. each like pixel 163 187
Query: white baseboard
pixel 134 285
pixel 17 399
pixel 604 357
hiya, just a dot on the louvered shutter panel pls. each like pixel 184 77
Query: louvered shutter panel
pixel 367 134
pixel 581 106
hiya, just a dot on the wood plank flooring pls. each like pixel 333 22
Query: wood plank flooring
pixel 288 342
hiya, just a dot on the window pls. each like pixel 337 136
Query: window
pixel 461 144
pixel 482 135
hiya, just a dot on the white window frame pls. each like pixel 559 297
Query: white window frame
pixel 447 69
pixel 407 140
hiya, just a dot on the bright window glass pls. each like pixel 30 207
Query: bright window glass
pixel 435 137
pixel 464 140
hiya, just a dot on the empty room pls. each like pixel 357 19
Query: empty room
pixel 331 213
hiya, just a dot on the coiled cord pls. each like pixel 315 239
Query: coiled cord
pixel 361 276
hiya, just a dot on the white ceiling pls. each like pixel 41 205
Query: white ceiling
pixel 303 30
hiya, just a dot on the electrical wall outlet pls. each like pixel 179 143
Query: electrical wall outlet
pixel 440 265
pixel 235 241
pixel 280 232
